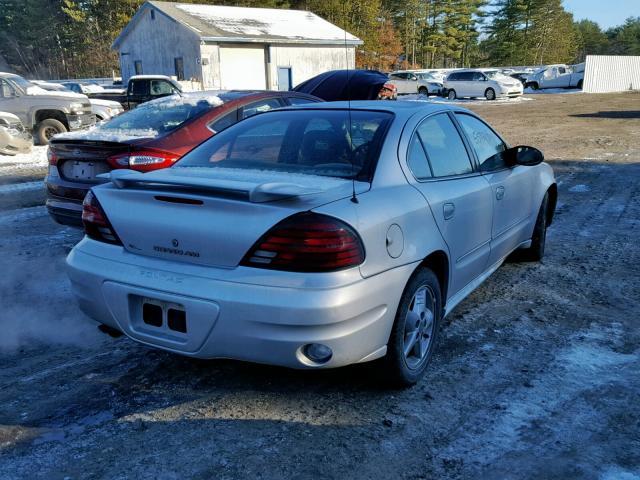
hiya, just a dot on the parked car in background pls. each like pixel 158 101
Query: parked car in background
pixel 102 109
pixel 337 85
pixel 412 82
pixel 557 76
pixel 252 247
pixel 487 83
pixel 520 76
pixel 140 89
pixel 153 136
pixel 42 112
pixel 14 138
pixel 84 88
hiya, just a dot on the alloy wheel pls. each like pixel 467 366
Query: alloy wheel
pixel 418 327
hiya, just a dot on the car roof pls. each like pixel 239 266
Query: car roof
pixel 398 107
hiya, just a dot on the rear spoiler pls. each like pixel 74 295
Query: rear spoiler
pixel 263 192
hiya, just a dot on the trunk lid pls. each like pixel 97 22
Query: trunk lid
pixel 208 216
pixel 82 160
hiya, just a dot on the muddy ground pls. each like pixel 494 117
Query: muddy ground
pixel 537 374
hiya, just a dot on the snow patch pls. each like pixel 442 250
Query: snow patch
pixel 295 24
pixel 531 91
pixel 108 135
pixel 36 158
pixel 579 188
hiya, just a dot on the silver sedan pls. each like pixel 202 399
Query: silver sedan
pixel 313 237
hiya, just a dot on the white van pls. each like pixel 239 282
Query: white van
pixel 490 84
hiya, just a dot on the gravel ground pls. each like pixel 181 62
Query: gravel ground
pixel 537 374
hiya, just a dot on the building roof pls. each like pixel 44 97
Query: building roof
pixel 254 25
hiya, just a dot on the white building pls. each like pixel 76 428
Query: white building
pixel 232 47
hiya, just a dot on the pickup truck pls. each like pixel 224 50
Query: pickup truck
pixel 44 113
pixel 556 76
pixel 140 89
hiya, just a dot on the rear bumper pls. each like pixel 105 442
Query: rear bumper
pixel 256 322
pixel 64 199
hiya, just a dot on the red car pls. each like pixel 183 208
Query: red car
pixel 153 136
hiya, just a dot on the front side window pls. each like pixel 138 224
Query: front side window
pixel 6 90
pixel 484 141
pixel 445 150
pixel 314 142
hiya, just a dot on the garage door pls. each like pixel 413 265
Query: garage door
pixel 242 68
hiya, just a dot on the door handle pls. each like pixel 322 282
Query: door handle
pixel 448 209
pixel 500 193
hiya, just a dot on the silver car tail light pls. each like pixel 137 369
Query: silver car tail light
pixel 96 224
pixel 307 242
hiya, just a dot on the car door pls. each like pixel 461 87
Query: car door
pixel 479 84
pixel 459 197
pixel 511 187
pixel 412 83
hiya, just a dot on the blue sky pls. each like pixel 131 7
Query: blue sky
pixel 605 13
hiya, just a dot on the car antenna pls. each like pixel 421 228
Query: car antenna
pixel 354 199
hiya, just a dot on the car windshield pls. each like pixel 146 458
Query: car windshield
pixel 332 143
pixel 21 82
pixel 162 116
pixel 426 76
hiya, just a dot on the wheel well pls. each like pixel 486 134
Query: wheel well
pixel 553 201
pixel 55 114
pixel 422 88
pixel 438 262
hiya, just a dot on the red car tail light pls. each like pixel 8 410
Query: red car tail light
pixel 52 157
pixel 96 224
pixel 143 160
pixel 307 242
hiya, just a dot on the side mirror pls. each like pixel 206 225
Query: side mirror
pixel 414 78
pixel 523 155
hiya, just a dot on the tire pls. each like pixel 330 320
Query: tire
pixel 534 86
pixel 451 95
pixel 538 240
pixel 405 369
pixel 580 83
pixel 48 128
pixel 423 91
pixel 490 94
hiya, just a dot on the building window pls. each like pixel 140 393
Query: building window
pixel 153 14
pixel 138 67
pixel 178 64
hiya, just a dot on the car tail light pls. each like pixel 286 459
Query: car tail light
pixel 96 224
pixel 52 157
pixel 307 242
pixel 143 160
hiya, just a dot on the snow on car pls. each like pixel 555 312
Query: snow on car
pixel 313 237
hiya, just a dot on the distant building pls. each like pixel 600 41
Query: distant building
pixel 232 47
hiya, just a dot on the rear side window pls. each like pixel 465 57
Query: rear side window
pixel 445 150
pixel 260 106
pixel 300 101
pixel 140 88
pixel 484 141
pixel 224 122
pixel 314 142
pixel 417 159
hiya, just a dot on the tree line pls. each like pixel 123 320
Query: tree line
pixel 72 38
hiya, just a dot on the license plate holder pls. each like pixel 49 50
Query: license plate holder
pixel 83 170
pixel 164 315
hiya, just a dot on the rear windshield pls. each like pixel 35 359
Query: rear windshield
pixel 314 142
pixel 160 117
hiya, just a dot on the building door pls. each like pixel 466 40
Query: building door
pixel 242 68
pixel 284 79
